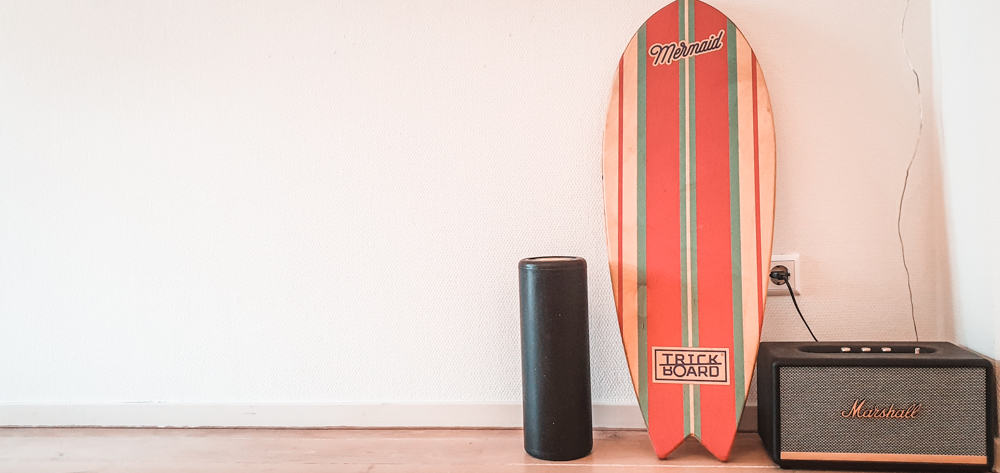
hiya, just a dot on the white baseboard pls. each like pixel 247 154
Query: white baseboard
pixel 155 414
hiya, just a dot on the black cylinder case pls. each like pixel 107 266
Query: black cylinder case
pixel 555 357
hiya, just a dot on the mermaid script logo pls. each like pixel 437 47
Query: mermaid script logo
pixel 690 365
pixel 670 52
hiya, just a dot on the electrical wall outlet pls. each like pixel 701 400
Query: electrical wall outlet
pixel 790 261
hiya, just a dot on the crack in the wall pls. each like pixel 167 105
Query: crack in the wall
pixel 909 165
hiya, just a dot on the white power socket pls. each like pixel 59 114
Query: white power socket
pixel 790 261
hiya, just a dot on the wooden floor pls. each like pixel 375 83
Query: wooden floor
pixel 340 450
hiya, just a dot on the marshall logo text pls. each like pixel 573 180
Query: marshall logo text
pixel 670 52
pixel 860 411
pixel 691 365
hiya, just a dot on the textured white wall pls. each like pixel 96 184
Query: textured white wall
pixel 968 101
pixel 316 202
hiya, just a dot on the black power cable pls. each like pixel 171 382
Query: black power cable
pixel 779 274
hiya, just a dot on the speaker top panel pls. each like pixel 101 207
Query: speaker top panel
pixel 873 353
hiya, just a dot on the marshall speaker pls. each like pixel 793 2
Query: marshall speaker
pixel 869 405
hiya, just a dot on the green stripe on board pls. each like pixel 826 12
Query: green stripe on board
pixel 682 199
pixel 734 217
pixel 693 186
pixel 641 217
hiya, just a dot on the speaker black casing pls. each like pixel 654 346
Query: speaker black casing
pixel 555 358
pixel 839 375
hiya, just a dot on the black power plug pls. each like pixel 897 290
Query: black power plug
pixel 780 276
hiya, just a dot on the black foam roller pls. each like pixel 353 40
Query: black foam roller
pixel 555 357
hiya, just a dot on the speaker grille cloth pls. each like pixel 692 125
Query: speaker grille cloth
pixel 951 420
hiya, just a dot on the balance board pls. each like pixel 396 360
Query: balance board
pixel 689 168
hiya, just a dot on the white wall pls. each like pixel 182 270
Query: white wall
pixel 968 101
pixel 303 205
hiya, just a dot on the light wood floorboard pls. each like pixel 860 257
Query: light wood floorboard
pixel 66 450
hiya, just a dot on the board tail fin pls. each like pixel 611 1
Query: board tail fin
pixel 664 449
pixel 719 449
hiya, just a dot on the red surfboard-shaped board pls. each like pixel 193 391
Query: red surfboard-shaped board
pixel 689 168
